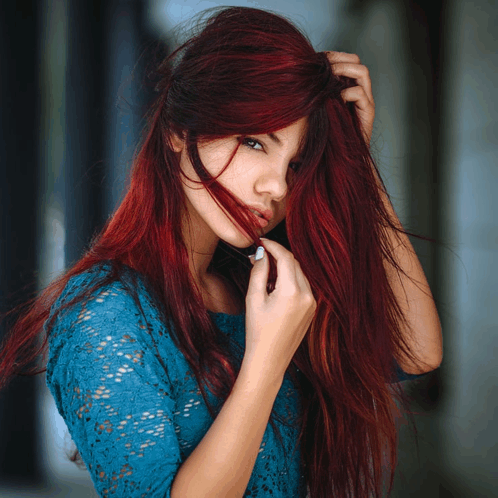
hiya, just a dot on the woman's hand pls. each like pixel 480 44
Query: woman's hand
pixel 276 323
pixel 344 64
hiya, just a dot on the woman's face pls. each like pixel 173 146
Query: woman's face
pixel 258 175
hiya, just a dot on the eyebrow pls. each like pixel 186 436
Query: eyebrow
pixel 275 138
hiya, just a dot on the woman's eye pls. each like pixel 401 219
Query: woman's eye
pixel 294 166
pixel 252 143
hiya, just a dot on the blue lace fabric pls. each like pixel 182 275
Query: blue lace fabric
pixel 132 404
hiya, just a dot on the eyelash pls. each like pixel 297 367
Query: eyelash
pixel 249 139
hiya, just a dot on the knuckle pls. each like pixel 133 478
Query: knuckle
pixel 309 299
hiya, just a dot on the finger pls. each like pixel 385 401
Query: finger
pixel 365 109
pixel 357 95
pixel 358 72
pixel 301 278
pixel 286 268
pixel 334 57
pixel 259 278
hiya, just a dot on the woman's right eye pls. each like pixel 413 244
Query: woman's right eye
pixel 252 143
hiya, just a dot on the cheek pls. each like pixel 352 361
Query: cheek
pixel 279 214
pixel 215 155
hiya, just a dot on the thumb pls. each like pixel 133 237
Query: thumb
pixel 259 273
pixel 258 254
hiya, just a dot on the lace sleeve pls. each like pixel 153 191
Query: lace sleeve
pixel 115 397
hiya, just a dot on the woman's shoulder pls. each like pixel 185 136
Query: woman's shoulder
pixel 109 335
pixel 102 287
pixel 103 302
pixel 104 277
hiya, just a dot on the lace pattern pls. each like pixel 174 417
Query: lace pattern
pixel 133 421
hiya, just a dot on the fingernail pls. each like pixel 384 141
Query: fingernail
pixel 260 252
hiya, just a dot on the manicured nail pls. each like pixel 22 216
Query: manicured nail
pixel 260 252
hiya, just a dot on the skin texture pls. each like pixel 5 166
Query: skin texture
pixel 258 175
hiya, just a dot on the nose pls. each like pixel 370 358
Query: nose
pixel 273 181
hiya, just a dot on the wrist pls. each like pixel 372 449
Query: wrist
pixel 256 375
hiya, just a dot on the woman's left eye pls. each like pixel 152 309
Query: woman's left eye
pixel 252 143
pixel 294 166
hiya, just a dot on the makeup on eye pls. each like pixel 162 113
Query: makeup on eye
pixel 247 141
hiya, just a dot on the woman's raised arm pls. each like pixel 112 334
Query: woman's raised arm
pixel 423 333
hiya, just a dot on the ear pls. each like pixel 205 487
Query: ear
pixel 177 142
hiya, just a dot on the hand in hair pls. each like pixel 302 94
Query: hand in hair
pixel 349 65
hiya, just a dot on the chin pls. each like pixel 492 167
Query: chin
pixel 238 240
pixel 244 243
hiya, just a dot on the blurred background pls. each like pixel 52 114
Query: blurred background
pixel 72 99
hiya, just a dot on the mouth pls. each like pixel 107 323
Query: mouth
pixel 257 213
pixel 261 212
pixel 259 219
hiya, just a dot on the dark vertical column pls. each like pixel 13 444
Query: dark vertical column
pixel 423 22
pixel 421 468
pixel 125 92
pixel 85 121
pixel 18 181
pixel 19 174
pixel 151 51
pixel 79 154
pixel 425 27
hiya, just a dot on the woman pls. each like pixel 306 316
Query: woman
pixel 311 340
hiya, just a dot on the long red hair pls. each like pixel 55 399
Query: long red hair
pixel 248 72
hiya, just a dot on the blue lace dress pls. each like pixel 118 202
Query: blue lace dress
pixel 132 405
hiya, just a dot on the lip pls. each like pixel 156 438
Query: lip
pixel 262 222
pixel 266 213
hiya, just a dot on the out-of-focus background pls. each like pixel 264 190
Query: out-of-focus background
pixel 72 98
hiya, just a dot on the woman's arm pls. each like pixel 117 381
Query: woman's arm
pixel 222 463
pixel 415 299
pixel 414 296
